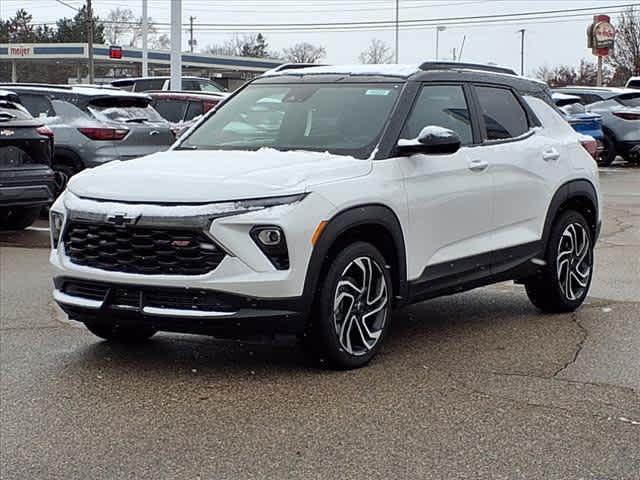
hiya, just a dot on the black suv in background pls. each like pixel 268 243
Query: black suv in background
pixel 26 180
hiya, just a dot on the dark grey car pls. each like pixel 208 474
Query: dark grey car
pixel 93 126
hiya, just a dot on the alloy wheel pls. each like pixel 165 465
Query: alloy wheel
pixel 574 261
pixel 360 306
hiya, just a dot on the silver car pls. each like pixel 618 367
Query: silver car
pixel 620 112
pixel 93 126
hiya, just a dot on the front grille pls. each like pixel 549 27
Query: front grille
pixel 132 297
pixel 132 249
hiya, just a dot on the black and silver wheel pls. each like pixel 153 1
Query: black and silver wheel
pixel 565 281
pixel 120 333
pixel 353 307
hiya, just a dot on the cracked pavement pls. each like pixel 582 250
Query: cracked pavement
pixel 472 386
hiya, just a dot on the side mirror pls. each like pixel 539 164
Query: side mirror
pixel 431 140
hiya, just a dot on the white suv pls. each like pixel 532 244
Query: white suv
pixel 316 201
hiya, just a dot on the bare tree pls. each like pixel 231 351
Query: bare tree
pixel 377 52
pixel 625 58
pixel 242 46
pixel 118 24
pixel 563 75
pixel 304 52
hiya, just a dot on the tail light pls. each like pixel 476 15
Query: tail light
pixel 46 131
pixel 590 145
pixel 208 105
pixel 627 115
pixel 104 133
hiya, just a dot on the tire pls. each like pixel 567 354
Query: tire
pixel 609 153
pixel 356 281
pixel 115 332
pixel 564 284
pixel 65 172
pixel 18 218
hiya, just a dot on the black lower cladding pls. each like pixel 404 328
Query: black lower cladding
pixel 144 250
pixel 125 303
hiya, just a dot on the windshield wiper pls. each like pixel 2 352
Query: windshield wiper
pixel 137 120
pixel 186 147
pixel 6 116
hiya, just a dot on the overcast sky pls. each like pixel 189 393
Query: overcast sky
pixel 548 42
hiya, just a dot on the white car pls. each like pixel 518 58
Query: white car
pixel 317 201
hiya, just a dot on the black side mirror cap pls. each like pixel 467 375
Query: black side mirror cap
pixel 432 140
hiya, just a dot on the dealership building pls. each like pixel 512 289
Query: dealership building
pixel 127 61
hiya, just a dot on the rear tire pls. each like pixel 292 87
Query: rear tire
pixel 65 172
pixel 564 283
pixel 18 218
pixel 118 333
pixel 609 152
pixel 352 309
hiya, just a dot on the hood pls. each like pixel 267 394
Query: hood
pixel 181 176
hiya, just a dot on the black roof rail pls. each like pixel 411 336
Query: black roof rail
pixel 296 66
pixel 470 66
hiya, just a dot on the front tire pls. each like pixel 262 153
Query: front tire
pixel 353 308
pixel 565 281
pixel 115 332
pixel 609 152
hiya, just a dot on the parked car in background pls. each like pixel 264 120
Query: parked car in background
pixel 146 84
pixel 93 126
pixel 317 201
pixel 620 112
pixel 183 109
pixel 27 182
pixel 633 82
pixel 582 121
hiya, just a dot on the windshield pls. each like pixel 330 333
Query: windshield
pixel 343 119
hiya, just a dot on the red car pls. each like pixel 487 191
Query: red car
pixel 183 109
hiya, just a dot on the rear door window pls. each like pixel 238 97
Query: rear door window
pixel 171 109
pixel 443 106
pixel 148 84
pixel 503 115
pixel 190 85
pixel 38 105
pixel 194 110
pixel 629 99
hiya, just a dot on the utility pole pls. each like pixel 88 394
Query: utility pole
pixel 191 42
pixel 176 45
pixel 145 37
pixel 522 30
pixel 439 28
pixel 397 30
pixel 464 39
pixel 90 39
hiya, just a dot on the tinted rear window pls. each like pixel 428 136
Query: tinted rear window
pixel 150 84
pixel 38 105
pixel 503 115
pixel 629 99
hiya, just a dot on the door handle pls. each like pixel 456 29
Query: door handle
pixel 551 154
pixel 478 165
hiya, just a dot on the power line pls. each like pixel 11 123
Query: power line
pixel 61 2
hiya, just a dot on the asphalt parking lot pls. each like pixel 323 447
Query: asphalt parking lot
pixel 472 386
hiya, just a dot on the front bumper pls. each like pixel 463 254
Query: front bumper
pixel 181 310
pixel 30 187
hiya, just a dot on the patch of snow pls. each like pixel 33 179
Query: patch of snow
pixel 393 70
pixel 428 131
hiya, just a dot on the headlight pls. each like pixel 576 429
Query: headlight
pixel 260 203
pixel 270 239
pixel 56 222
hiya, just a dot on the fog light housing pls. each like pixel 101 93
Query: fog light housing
pixel 56 223
pixel 271 240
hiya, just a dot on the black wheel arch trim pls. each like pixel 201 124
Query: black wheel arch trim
pixel 70 154
pixel 572 189
pixel 341 223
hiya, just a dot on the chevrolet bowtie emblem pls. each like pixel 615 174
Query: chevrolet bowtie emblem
pixel 5 132
pixel 120 219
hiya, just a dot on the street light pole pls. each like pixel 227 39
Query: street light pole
pixel 397 30
pixel 439 28
pixel 191 19
pixel 522 30
pixel 176 45
pixel 145 36
pixel 90 40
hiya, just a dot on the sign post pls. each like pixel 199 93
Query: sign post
pixel 601 39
